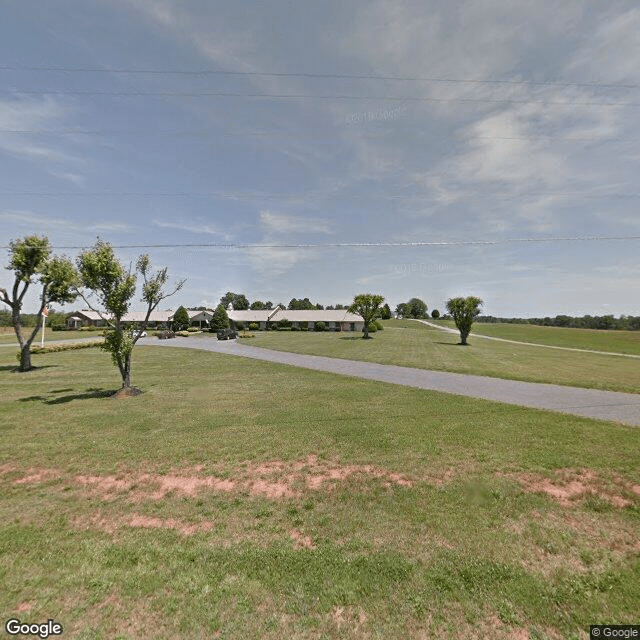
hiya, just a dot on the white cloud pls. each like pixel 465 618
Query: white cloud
pixel 282 223
pixel 197 228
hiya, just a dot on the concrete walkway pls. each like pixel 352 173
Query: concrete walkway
pixel 590 403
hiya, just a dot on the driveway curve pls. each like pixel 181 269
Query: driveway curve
pixel 589 403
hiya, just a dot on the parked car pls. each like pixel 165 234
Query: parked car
pixel 226 334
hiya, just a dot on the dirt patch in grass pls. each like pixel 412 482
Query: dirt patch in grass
pixel 300 540
pixel 100 521
pixel 567 486
pixel 274 480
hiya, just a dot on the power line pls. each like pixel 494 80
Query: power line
pixel 344 76
pixel 331 245
pixel 300 96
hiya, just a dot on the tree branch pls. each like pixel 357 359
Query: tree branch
pixel 95 310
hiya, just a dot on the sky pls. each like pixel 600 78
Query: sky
pixel 422 148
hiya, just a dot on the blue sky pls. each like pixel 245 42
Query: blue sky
pixel 479 120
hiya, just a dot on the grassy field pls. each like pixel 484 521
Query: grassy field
pixel 615 341
pixel 242 499
pixel 412 344
pixel 8 336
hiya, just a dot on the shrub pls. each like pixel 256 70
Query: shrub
pixel 283 324
pixel 244 334
pixel 435 314
pixel 54 348
pixel 304 328
pixel 57 327
pixel 338 327
pixel 295 328
pixel 372 328
pixel 319 326
pixel 180 319
pixel 92 328
pixel 283 329
pixel 184 334
pixel 193 330
pixel 165 335
pixel 239 326
pixel 254 326
pixel 379 325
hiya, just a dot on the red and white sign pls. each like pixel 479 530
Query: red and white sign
pixel 45 312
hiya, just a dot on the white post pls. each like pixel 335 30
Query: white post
pixel 43 320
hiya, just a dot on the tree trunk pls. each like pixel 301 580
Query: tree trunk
pixel 25 358
pixel 463 337
pixel 126 373
pixel 366 331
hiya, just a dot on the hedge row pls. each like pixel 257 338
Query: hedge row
pixel 54 348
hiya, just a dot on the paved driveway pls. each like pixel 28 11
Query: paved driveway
pixel 590 403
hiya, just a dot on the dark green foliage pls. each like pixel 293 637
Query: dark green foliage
pixel 254 326
pixel 386 312
pixel 435 314
pixel 372 327
pixel 379 325
pixel 304 304
pixel 180 319
pixel 238 301
pixel 319 326
pixel 367 305
pixel 464 312
pixel 219 320
pixel 283 323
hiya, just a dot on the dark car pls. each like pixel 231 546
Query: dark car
pixel 226 334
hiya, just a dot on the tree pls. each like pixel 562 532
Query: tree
pixel 417 308
pixel 238 300
pixel 103 275
pixel 464 311
pixel 367 305
pixel 386 312
pixel 181 319
pixel 220 319
pixel 435 314
pixel 402 310
pixel 31 261
pixel 257 305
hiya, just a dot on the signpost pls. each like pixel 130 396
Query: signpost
pixel 45 313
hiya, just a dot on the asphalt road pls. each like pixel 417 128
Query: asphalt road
pixel 589 403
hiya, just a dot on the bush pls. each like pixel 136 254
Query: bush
pixel 92 328
pixel 254 326
pixel 57 327
pixel 54 348
pixel 193 330
pixel 165 335
pixel 184 334
pixel 379 325
pixel 239 326
pixel 284 329
pixel 244 334
pixel 180 319
pixel 283 324
pixel 319 326
pixel 435 314
pixel 304 328
pixel 372 328
pixel 338 327
pixel 295 328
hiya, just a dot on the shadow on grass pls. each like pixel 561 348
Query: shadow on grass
pixel 453 344
pixel 351 338
pixel 14 368
pixel 96 393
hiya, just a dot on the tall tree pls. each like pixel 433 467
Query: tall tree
pixel 403 311
pixel 367 305
pixel 464 312
pixel 181 319
pixel 257 305
pixel 385 314
pixel 220 319
pixel 103 275
pixel 417 308
pixel 31 261
pixel 238 300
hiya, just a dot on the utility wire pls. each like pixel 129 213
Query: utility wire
pixel 344 76
pixel 301 96
pixel 323 245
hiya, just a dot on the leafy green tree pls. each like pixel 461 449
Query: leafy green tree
pixel 31 262
pixel 257 305
pixel 220 319
pixel 181 319
pixel 385 314
pixel 464 312
pixel 104 277
pixel 417 308
pixel 238 300
pixel 367 305
pixel 403 311
pixel 435 314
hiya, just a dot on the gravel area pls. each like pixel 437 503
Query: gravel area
pixel 590 403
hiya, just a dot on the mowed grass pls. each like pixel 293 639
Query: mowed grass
pixel 412 344
pixel 8 335
pixel 407 515
pixel 594 339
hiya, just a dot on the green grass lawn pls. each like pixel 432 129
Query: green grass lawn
pixel 9 337
pixel 412 344
pixel 598 340
pixel 243 499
